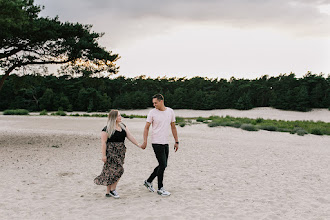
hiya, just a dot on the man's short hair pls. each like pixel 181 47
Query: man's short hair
pixel 159 97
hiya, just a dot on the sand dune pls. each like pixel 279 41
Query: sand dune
pixel 264 112
pixel 48 165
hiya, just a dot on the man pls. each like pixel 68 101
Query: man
pixel 161 118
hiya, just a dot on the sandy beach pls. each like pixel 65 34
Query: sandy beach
pixel 48 164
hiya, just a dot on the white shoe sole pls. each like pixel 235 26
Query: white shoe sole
pixel 163 194
pixel 150 189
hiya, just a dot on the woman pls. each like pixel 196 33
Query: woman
pixel 113 152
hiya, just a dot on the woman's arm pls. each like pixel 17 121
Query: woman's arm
pixel 104 138
pixel 131 138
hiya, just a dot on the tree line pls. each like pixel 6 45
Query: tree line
pixel 286 91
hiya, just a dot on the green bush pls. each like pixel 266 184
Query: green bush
pixel 295 130
pixel 59 113
pixel 124 116
pixel 319 128
pixel 16 112
pixel 214 124
pixel 267 127
pixel 249 127
pixel 99 115
pixel 201 119
pixel 259 120
pixel 44 112
pixel 284 130
pixel 236 125
pixel 301 132
pixel 317 131
pixel 179 119
pixel 182 124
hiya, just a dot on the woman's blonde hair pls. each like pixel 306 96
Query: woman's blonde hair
pixel 111 124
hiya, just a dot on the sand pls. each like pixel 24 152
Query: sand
pixel 262 112
pixel 48 164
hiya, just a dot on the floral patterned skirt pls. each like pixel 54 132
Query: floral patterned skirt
pixel 113 168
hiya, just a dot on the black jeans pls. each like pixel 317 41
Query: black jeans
pixel 161 152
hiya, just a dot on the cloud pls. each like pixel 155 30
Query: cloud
pixel 128 20
pixel 234 12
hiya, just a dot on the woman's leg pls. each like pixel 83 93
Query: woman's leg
pixel 114 185
pixel 108 189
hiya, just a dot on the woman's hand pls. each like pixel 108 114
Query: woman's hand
pixel 104 159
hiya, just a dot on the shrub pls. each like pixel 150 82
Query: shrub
pixel 284 130
pixel 214 124
pixel 249 127
pixel 124 116
pixel 179 119
pixel 99 115
pixel 231 124
pixel 59 113
pixel 200 119
pixel 236 125
pixel 139 116
pixel 268 127
pixel 16 112
pixel 44 112
pixel 182 124
pixel 301 132
pixel 317 131
pixel 259 120
pixel 295 129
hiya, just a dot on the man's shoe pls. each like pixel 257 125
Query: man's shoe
pixel 114 194
pixel 163 192
pixel 149 186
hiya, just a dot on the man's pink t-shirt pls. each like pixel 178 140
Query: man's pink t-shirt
pixel 161 121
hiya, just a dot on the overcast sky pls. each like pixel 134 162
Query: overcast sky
pixel 209 38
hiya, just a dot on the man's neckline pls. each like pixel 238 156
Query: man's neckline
pixel 162 110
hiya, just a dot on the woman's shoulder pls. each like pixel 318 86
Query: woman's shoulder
pixel 123 127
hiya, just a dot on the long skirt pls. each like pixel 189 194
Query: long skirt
pixel 113 168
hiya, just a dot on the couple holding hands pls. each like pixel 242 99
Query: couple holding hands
pixel 113 146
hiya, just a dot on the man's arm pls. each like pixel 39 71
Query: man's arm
pixel 145 135
pixel 175 135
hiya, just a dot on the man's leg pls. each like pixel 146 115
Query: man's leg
pixel 161 152
pixel 158 151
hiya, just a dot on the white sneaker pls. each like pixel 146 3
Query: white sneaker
pixel 114 194
pixel 163 192
pixel 149 186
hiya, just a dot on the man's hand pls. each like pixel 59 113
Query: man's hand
pixel 176 147
pixel 144 145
